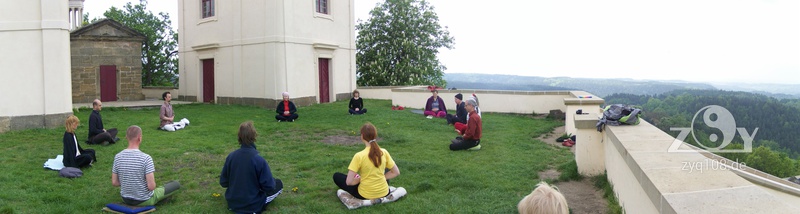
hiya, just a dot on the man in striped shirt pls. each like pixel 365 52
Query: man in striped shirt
pixel 133 173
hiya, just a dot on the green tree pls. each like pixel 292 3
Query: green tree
pixel 160 48
pixel 774 163
pixel 398 44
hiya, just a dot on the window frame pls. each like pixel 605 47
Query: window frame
pixel 211 12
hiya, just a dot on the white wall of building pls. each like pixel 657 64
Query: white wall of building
pixel 264 47
pixel 36 84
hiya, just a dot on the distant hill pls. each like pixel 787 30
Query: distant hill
pixel 599 87
pixel 605 87
pixel 777 120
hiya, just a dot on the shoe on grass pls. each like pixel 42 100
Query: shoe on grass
pixel 475 148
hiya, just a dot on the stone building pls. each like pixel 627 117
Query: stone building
pixel 248 52
pixel 106 62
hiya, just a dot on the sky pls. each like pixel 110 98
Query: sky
pixel 750 41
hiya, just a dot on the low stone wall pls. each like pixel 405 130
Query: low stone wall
pixel 154 93
pixel 13 123
pixel 519 102
pixel 649 178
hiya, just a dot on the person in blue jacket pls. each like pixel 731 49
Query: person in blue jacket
pixel 247 176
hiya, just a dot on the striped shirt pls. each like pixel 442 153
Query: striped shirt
pixel 131 166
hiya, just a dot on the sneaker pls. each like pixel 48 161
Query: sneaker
pixel 279 121
pixel 116 139
pixel 394 195
pixel 104 143
pixel 475 148
pixel 568 143
pixel 291 120
pixel 429 117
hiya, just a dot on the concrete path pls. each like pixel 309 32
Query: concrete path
pixel 131 104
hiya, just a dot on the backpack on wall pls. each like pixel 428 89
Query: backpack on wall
pixel 619 114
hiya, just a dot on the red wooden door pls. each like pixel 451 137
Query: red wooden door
pixel 108 83
pixel 323 80
pixel 208 80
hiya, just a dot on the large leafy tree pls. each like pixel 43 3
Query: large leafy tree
pixel 398 44
pixel 160 48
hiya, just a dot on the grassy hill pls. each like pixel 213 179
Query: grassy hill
pixel 493 179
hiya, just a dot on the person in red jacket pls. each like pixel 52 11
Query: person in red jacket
pixel 471 136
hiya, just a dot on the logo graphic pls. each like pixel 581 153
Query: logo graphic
pixel 716 117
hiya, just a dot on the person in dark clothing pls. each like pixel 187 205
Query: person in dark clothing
pixel 247 176
pixel 286 109
pixel 357 104
pixel 97 133
pixel 74 155
pixel 471 138
pixel 461 113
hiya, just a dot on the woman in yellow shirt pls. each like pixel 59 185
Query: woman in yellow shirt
pixel 369 170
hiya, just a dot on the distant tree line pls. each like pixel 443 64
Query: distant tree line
pixel 775 144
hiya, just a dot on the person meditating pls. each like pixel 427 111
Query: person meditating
pixel 471 136
pixel 247 176
pixel 97 133
pixel 357 104
pixel 462 126
pixel 461 112
pixel 133 171
pixel 286 109
pixel 369 170
pixel 74 155
pixel 435 106
pixel 168 116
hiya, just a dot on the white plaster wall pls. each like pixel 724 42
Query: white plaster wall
pixel 34 36
pixel 376 93
pixel 630 194
pixel 262 48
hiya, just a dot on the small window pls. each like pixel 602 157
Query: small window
pixel 322 6
pixel 207 8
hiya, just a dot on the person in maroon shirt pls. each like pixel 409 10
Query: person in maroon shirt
pixel 286 109
pixel 471 137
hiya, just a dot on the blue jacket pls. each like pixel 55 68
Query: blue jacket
pixel 248 179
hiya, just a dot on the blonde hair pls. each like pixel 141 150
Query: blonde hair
pixel 544 199
pixel 70 123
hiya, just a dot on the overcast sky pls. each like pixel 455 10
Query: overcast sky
pixel 754 41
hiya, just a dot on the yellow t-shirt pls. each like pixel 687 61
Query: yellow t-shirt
pixel 373 182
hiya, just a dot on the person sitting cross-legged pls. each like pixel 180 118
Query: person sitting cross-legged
pixel 247 176
pixel 97 133
pixel 168 116
pixel 461 112
pixel 434 107
pixel 357 104
pixel 286 109
pixel 370 169
pixel 133 171
pixel 74 155
pixel 471 136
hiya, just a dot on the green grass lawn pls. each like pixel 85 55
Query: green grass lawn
pixel 491 180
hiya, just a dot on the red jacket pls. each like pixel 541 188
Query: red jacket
pixel 474 127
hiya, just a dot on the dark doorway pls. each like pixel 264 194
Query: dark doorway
pixel 208 80
pixel 108 83
pixel 324 87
